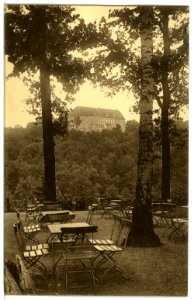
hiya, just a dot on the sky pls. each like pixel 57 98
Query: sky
pixel 15 91
pixel 16 109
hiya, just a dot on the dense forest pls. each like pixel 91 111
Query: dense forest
pixel 87 164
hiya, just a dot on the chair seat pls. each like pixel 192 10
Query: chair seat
pixel 112 248
pixel 29 229
pixel 36 247
pixel 101 242
pixel 79 261
pixel 34 253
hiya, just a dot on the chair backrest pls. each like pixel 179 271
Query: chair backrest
pixel 116 229
pixel 77 233
pixel 125 229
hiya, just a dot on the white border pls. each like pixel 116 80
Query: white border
pixel 191 167
pixel 103 2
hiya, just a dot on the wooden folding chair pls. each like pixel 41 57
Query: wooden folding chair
pixel 79 260
pixel 32 212
pixel 31 253
pixel 29 231
pixel 175 227
pixel 59 244
pixel 107 251
pixel 114 236
pixel 81 236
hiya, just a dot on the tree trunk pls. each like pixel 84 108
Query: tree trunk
pixel 48 136
pixel 142 232
pixel 165 112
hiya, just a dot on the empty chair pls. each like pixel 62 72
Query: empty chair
pixel 78 261
pixel 89 220
pixel 114 236
pixel 31 253
pixel 31 213
pixel 106 252
pixel 176 228
pixel 29 231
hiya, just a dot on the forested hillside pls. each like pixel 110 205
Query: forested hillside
pixel 87 164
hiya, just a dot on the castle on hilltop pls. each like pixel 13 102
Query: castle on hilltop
pixel 95 119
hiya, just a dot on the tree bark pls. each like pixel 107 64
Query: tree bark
pixel 48 132
pixel 165 192
pixel 142 232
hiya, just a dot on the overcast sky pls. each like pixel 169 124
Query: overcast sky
pixel 16 91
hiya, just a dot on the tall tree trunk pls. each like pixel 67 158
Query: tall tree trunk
pixel 165 113
pixel 142 232
pixel 48 136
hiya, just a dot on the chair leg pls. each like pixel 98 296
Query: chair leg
pixel 76 271
pixel 113 265
pixel 35 263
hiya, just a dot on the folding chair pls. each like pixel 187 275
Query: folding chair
pixel 32 212
pixel 89 220
pixel 107 251
pixel 59 244
pixel 114 236
pixel 79 260
pixel 29 231
pixel 175 228
pixel 31 253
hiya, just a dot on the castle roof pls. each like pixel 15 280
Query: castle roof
pixel 97 112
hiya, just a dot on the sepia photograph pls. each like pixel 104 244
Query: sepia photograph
pixel 96 149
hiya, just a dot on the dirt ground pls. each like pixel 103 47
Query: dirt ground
pixel 161 271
